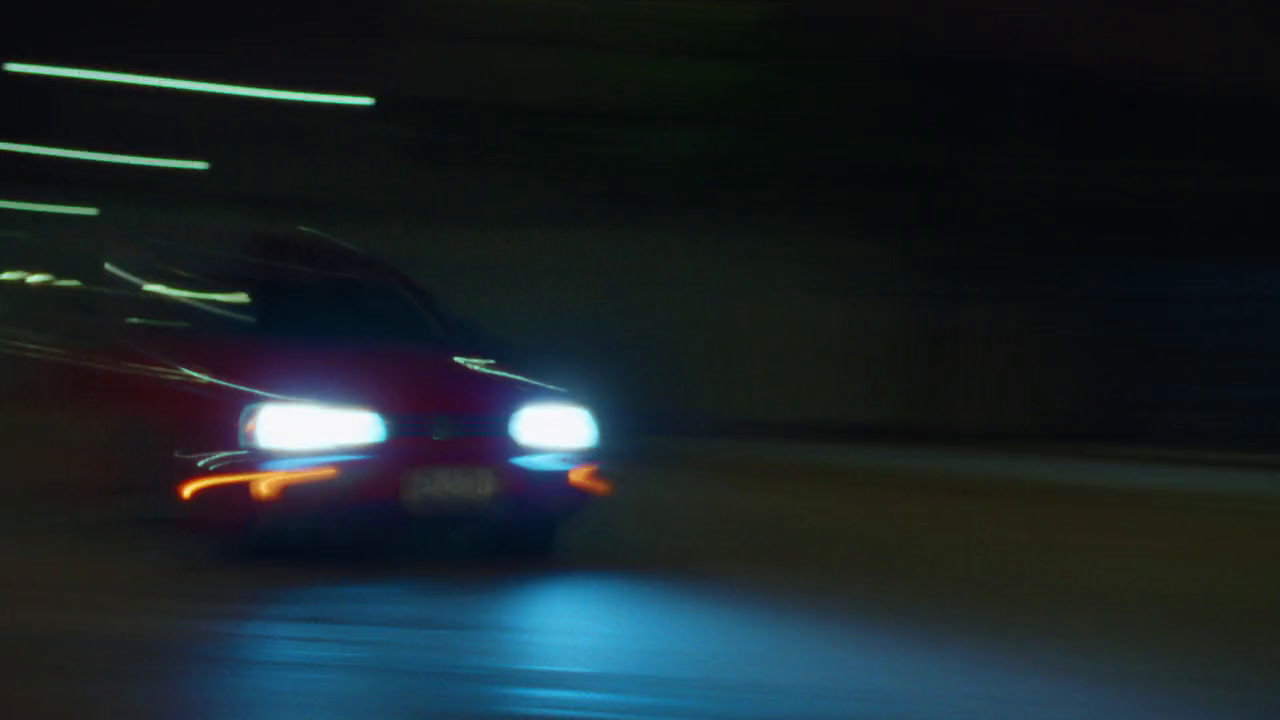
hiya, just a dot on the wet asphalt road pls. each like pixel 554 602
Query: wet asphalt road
pixel 714 585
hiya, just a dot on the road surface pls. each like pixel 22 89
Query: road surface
pixel 720 582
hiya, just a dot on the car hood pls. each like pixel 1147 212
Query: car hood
pixel 389 378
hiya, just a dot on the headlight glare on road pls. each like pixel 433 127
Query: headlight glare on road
pixel 290 426
pixel 554 426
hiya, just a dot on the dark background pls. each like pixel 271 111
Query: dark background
pixel 947 221
pixel 769 216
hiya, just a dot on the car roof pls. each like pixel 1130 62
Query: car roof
pixel 267 252
pixel 198 249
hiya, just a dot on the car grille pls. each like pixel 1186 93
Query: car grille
pixel 448 427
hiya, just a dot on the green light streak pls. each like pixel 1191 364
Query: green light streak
pixel 36 278
pixel 13 274
pixel 68 283
pixel 239 298
pixel 190 85
pixel 481 365
pixel 103 157
pixel 194 303
pixel 263 393
pixel 48 208
pixel 157 323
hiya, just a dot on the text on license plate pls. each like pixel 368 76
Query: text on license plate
pixel 448 483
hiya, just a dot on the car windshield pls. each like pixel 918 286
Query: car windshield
pixel 338 307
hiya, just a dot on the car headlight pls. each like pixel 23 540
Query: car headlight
pixel 309 426
pixel 554 426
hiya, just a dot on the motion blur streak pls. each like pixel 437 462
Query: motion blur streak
pixel 269 488
pixel 36 278
pixel 188 489
pixel 103 157
pixel 587 477
pixel 262 485
pixel 226 297
pixel 202 377
pixel 195 303
pixel 48 208
pixel 190 85
pixel 482 365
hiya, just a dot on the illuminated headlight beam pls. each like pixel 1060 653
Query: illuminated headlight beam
pixel 48 208
pixel 68 154
pixel 554 426
pixel 292 426
pixel 189 85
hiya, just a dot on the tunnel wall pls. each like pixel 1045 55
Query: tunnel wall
pixel 775 325
pixel 715 326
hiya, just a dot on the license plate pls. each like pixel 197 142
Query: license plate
pixel 448 484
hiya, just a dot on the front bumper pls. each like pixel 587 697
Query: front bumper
pixel 236 485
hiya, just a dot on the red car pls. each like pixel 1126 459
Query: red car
pixel 281 381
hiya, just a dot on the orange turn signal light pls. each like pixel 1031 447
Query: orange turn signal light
pixel 263 486
pixel 588 479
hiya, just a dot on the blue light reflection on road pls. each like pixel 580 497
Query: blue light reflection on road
pixel 604 646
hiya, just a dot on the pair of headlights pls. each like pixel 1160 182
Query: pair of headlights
pixel 291 426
